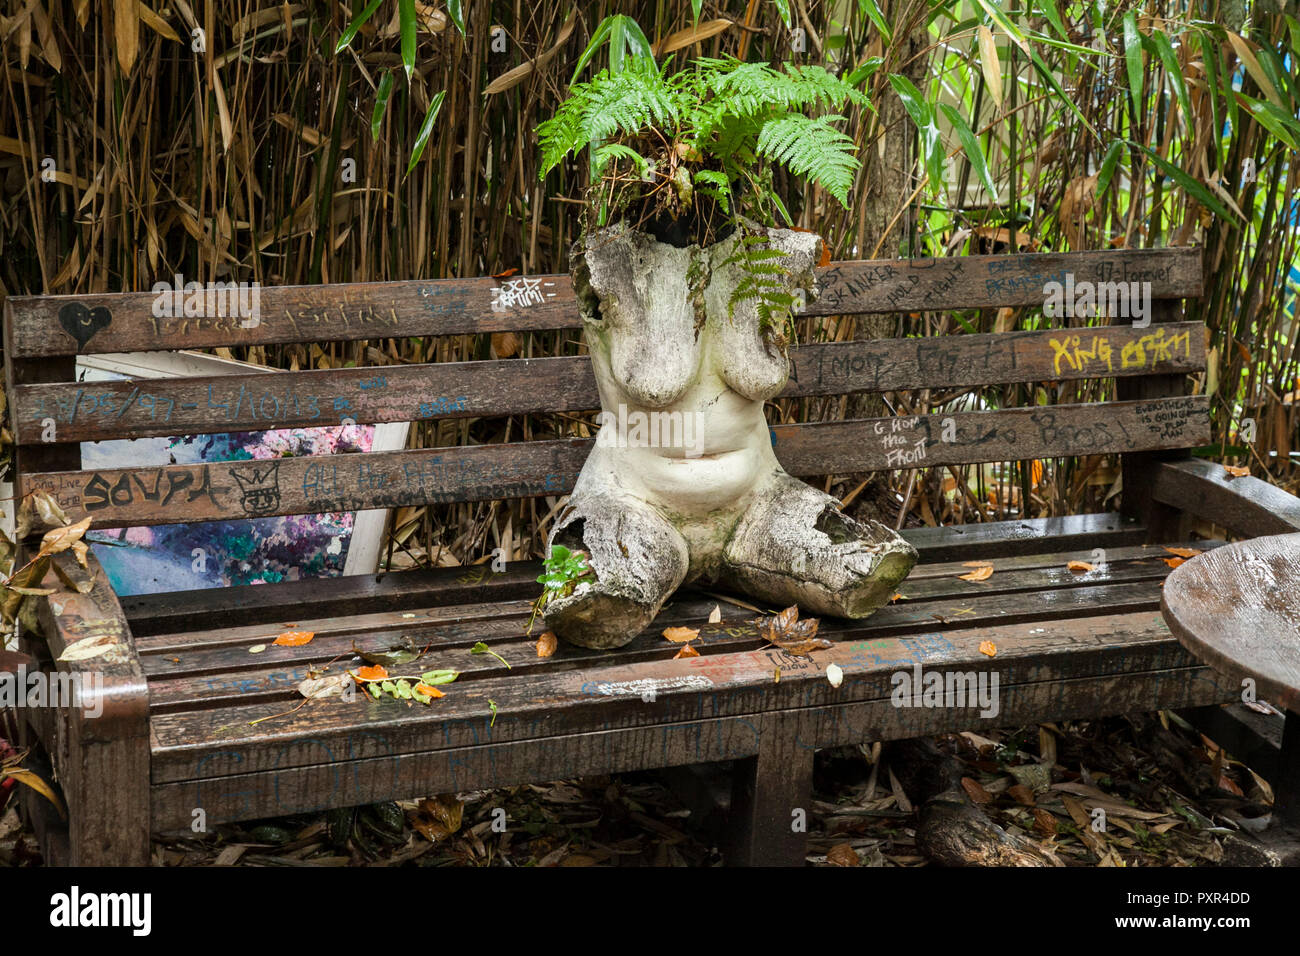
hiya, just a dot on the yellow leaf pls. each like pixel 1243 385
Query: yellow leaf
pixel 126 32
pixel 686 651
pixel 1183 552
pixel 680 635
pixel 37 784
pixel 981 573
pixel 61 539
pixel 1078 567
pixel 988 648
pixel 1237 471
pixel 1174 562
pixel 546 644
pixel 990 63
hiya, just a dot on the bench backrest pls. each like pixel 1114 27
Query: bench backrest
pixel 50 412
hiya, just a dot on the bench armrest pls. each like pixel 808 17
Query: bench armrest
pixel 1246 506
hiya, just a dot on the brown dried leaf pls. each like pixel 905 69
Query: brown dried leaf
pixel 976 791
pixel 1174 562
pixel 61 539
pixel 988 648
pixel 1044 822
pixel 843 854
pixel 1021 794
pixel 1183 552
pixel 686 651
pixel 546 644
pixel 680 635
pixel 1079 567
pixel 1237 471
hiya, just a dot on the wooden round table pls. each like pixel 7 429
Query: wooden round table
pixel 1237 608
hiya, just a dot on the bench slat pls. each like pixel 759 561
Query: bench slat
pixel 44 325
pixel 1016 544
pixel 93 411
pixel 309 485
pixel 569 701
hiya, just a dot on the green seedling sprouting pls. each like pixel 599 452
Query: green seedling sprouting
pixel 406 687
pixel 563 569
pixel 481 648
pixel 492 704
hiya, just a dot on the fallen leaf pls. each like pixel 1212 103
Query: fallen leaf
pixel 428 690
pixel 1044 822
pixel 988 648
pixel 257 648
pixel 1078 567
pixel 680 635
pixel 294 638
pixel 375 672
pixel 400 653
pixel 546 644
pixel 981 573
pixel 834 674
pixel 88 647
pixel 792 635
pixel 715 616
pixel 1174 562
pixel 897 597
pixel 437 818
pixel 1237 471
pixel 686 651
pixel 321 688
pixel 1021 794
pixel 976 791
pixel 1183 552
pixel 843 854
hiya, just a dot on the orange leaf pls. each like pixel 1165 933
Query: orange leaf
pixel 686 651
pixel 1237 471
pixel 1183 552
pixel 1174 562
pixel 1078 567
pixel 376 672
pixel 989 648
pixel 680 635
pixel 546 644
pixel 1035 473
pixel 981 573
pixel 428 690
pixel 294 638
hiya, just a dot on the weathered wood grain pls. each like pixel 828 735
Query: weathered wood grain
pixel 93 411
pixel 236 490
pixel 65 325
pixel 1237 608
pixel 703 722
pixel 1245 506
pixel 104 745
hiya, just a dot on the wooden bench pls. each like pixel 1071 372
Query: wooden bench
pixel 181 692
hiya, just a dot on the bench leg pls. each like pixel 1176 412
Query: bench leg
pixel 770 803
pixel 107 789
pixel 1286 786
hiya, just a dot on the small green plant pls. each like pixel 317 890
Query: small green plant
pixel 412 686
pixel 563 569
pixel 481 648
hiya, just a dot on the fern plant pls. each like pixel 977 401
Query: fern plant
pixel 699 147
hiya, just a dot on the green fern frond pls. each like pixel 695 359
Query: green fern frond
pixel 812 148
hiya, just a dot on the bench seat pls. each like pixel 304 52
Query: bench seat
pixel 1067 644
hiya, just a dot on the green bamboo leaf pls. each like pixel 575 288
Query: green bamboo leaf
pixel 455 9
pixel 1046 75
pixel 1210 60
pixel 1048 10
pixel 922 114
pixel 1193 187
pixel 406 18
pixel 616 48
pixel 1165 50
pixel 1108 163
pixel 597 38
pixel 783 8
pixel 1133 60
pixel 381 104
pixel 872 12
pixel 1282 125
pixel 696 7
pixel 425 129
pixel 357 23
pixel 971 146
pixel 1010 29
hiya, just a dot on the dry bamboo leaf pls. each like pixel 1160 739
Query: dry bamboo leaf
pixel 690 35
pixel 835 674
pixel 990 64
pixel 1237 471
pixel 679 635
pixel 546 644
pixel 156 23
pixel 126 33
pixel 88 647
pixel 1079 567
pixel 981 573
pixel 686 651
pixel 61 539
pixel 512 78
pixel 1183 552
pixel 715 616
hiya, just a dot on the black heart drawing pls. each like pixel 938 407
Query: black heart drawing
pixel 82 323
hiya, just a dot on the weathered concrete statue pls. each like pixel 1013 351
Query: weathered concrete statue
pixel 692 490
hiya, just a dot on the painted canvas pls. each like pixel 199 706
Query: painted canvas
pixel 146 560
